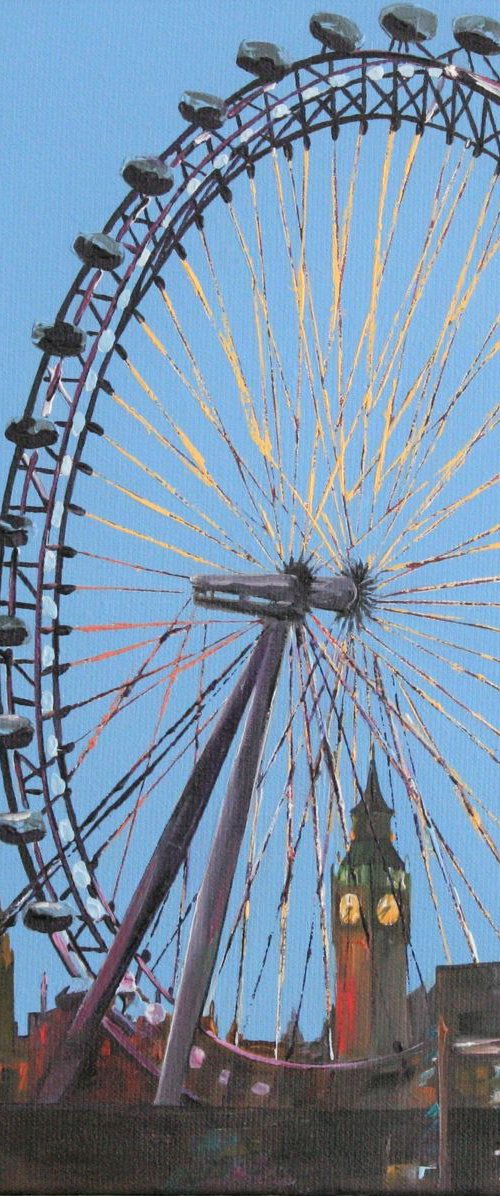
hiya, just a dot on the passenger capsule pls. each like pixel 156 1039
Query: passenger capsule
pixel 47 917
pixel 209 112
pixel 25 827
pixel 264 59
pixel 29 433
pixel 407 23
pixel 338 33
pixel 61 339
pixel 478 35
pixel 15 731
pixel 99 251
pixel 14 530
pixel 148 176
pixel 13 632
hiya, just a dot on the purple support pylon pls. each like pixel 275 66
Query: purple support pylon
pixel 215 889
pixel 157 880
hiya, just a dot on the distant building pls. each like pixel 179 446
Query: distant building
pixel 13 1064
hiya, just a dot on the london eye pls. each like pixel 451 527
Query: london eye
pixel 248 541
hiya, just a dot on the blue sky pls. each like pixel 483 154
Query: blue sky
pixel 84 87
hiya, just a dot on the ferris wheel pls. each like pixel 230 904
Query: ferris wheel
pixel 248 535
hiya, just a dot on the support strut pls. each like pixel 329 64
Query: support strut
pixel 157 880
pixel 213 897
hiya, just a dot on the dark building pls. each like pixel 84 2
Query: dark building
pixel 7 1022
pixel 13 1065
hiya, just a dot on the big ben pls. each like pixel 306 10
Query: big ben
pixel 371 929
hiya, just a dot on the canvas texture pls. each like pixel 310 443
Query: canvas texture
pixel 249 594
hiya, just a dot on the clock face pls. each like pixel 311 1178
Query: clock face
pixel 387 910
pixel 349 909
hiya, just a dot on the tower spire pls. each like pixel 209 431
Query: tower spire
pixel 371 825
pixel 373 796
pixel 44 988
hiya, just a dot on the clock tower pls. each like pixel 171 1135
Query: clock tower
pixel 371 928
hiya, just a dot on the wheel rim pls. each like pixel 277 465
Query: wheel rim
pixel 181 213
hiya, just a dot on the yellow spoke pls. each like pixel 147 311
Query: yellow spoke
pixel 450 469
pixel 198 290
pixel 261 295
pixel 467 602
pixel 433 702
pixel 376 283
pixel 168 514
pixel 422 818
pixel 130 531
pixel 464 792
pixel 259 436
pixel 320 877
pixel 447 585
pixel 301 290
pixel 458 868
pixel 458 305
pixel 427 822
pixel 166 485
pixel 306 295
pixel 339 250
pixel 192 458
pixel 395 215
pixel 454 665
pixel 261 292
pixel 331 545
pixel 447 471
pixel 414 291
pixel 202 395
pixel 298 273
pixel 464 548
pixel 204 403
pixel 426 262
pixel 419 388
pixel 443 619
pixel 195 465
pixel 445 512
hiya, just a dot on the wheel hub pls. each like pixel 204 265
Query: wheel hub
pixel 285 595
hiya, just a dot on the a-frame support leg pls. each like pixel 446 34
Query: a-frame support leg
pixel 156 881
pixel 211 905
